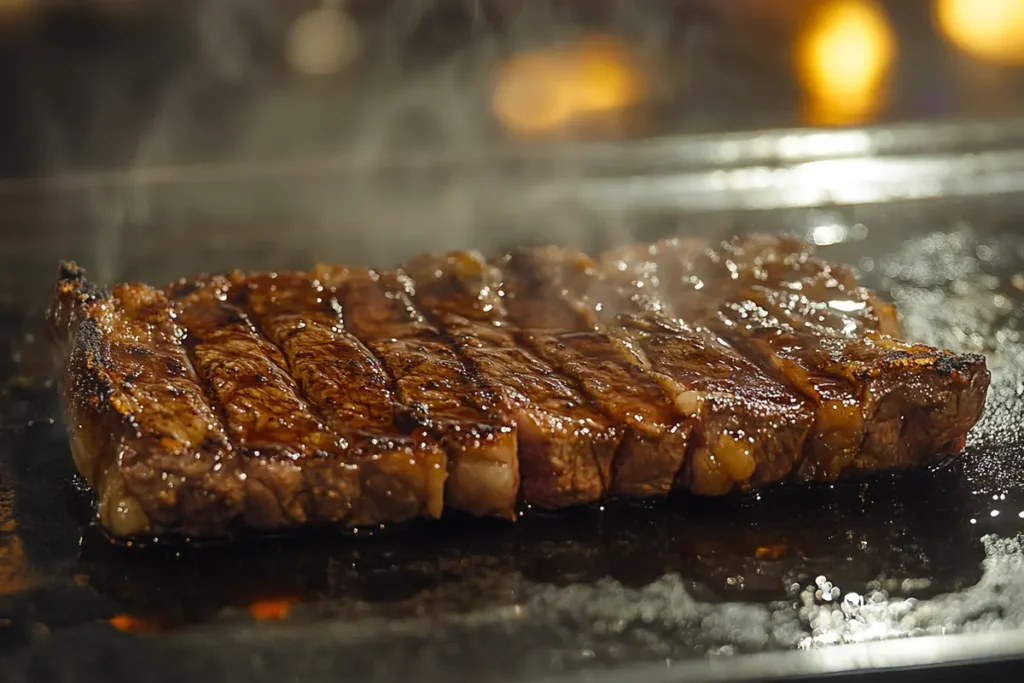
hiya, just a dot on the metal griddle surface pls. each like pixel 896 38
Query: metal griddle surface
pixel 679 588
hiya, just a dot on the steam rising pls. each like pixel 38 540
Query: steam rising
pixel 394 152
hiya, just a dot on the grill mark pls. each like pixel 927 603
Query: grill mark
pixel 287 448
pixel 175 292
pixel 401 471
pixel 746 430
pixel 565 448
pixel 272 351
pixel 849 413
pixel 916 401
pixel 750 428
pixel 567 335
pixel 432 382
pixel 182 338
pixel 167 415
pixel 703 285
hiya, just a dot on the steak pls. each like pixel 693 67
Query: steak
pixel 879 403
pixel 566 447
pixel 353 397
pixel 436 387
pixel 567 334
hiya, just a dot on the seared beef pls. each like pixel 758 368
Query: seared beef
pixel 565 446
pixel 356 397
pixel 401 472
pixel 746 428
pixel 808 324
pixel 142 432
pixel 436 387
pixel 566 334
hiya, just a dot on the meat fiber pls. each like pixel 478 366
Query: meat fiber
pixel 354 397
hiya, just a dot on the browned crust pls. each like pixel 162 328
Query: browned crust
pixel 151 435
pixel 142 473
pixel 132 400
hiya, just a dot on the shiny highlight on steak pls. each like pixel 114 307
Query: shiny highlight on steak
pixel 354 397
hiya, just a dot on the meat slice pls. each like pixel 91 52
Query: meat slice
pixel 401 474
pixel 294 464
pixel 142 433
pixel 567 335
pixel 821 296
pixel 434 384
pixel 747 428
pixel 350 396
pixel 780 273
pixel 814 354
pixel 566 448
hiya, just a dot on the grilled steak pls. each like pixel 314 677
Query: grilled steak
pixel 436 387
pixel 567 335
pixel 353 397
pixel 565 446
pixel 878 402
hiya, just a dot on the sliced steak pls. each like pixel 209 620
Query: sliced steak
pixel 290 456
pixel 812 353
pixel 566 447
pixel 401 474
pixel 436 386
pixel 780 273
pixel 747 428
pixel 352 396
pixel 142 432
pixel 567 335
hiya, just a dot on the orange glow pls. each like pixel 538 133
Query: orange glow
pixel 126 623
pixel 843 58
pixel 271 609
pixel 546 90
pixel 771 553
pixel 14 567
pixel 992 30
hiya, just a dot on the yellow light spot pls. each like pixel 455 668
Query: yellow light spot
pixel 547 90
pixel 605 77
pixel 531 94
pixel 843 57
pixel 992 30
pixel 771 553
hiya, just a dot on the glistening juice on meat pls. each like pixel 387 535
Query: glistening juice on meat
pixel 352 396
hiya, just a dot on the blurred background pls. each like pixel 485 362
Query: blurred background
pixel 115 83
pixel 141 136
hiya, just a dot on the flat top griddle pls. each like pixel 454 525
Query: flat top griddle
pixel 910 570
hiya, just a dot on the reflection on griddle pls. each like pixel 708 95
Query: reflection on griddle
pixel 749 549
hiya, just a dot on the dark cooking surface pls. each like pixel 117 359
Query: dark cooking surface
pixel 630 584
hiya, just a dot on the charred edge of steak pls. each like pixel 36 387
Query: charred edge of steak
pixel 141 474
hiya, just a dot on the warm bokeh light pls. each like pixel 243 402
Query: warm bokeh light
pixel 843 58
pixel 992 30
pixel 546 90
pixel 127 623
pixel 322 42
pixel 271 609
